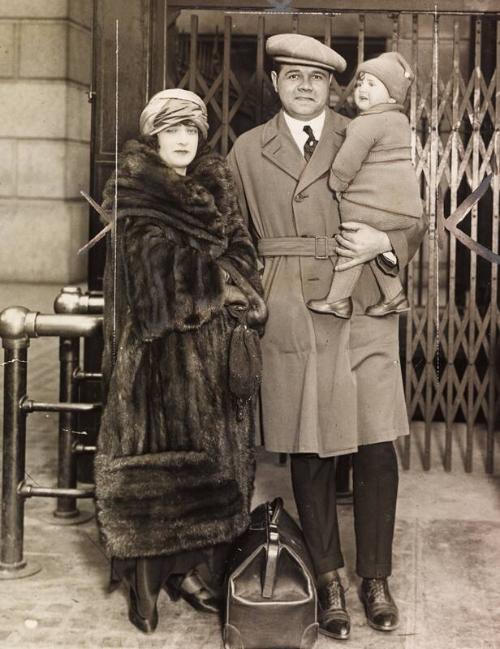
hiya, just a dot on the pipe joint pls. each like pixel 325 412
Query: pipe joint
pixel 72 300
pixel 13 327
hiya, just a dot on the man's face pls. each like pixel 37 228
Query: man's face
pixel 303 90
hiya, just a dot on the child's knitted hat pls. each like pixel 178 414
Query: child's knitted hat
pixel 394 72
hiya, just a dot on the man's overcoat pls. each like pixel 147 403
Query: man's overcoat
pixel 329 385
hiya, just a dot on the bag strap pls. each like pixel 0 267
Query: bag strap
pixel 273 547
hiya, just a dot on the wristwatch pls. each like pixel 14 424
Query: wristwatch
pixel 390 259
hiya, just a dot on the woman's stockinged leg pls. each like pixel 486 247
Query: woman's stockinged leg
pixel 375 487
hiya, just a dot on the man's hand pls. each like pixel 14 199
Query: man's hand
pixel 358 243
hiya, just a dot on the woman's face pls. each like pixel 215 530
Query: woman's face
pixel 178 146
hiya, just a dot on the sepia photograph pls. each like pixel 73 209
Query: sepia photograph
pixel 250 324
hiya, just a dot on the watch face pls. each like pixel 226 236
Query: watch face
pixel 390 258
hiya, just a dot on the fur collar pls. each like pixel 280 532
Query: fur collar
pixel 144 181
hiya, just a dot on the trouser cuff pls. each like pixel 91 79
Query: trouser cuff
pixel 379 571
pixel 327 564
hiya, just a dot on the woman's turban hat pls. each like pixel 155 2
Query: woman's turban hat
pixel 173 106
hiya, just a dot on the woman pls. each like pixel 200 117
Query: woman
pixel 174 464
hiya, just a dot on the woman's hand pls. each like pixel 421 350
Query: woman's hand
pixel 233 295
pixel 359 243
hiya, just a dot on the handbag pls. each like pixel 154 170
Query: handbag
pixel 271 594
pixel 245 361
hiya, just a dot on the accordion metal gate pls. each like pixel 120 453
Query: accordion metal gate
pixel 449 339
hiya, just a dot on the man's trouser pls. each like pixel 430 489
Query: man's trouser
pixel 375 487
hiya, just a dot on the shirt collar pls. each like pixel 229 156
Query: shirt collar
pixel 296 127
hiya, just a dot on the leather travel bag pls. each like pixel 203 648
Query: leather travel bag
pixel 271 594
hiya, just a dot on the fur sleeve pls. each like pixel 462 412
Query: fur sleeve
pixel 170 286
pixel 240 249
pixel 240 261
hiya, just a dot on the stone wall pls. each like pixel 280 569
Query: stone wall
pixel 45 69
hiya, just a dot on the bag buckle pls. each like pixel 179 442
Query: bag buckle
pixel 321 247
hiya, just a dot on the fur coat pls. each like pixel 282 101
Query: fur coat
pixel 174 464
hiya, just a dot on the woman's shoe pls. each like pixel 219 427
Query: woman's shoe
pixel 194 591
pixel 143 578
pixel 146 624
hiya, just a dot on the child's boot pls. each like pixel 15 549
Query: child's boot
pixel 397 304
pixel 341 308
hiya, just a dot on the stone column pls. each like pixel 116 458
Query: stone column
pixel 45 68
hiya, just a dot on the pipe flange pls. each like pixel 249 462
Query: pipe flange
pixel 30 324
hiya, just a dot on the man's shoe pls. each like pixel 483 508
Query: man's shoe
pixel 333 616
pixel 381 610
pixel 340 308
pixel 398 304
pixel 194 591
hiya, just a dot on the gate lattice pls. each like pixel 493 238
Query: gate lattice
pixel 449 337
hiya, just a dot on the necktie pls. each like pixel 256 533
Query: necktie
pixel 310 144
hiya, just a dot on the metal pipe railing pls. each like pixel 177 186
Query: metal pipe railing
pixel 70 302
pixel 79 375
pixel 28 405
pixel 17 326
pixel 15 343
pixel 69 359
pixel 83 448
pixel 28 491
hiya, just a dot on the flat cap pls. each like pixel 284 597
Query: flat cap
pixel 304 50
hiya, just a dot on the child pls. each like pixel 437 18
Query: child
pixel 374 178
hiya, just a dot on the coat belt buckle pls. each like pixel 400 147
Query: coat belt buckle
pixel 321 247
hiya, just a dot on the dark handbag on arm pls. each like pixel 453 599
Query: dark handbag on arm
pixel 245 361
pixel 271 595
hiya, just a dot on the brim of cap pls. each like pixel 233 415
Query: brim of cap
pixel 311 64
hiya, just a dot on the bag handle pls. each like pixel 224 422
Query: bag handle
pixel 273 547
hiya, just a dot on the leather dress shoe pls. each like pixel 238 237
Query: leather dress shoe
pixel 398 304
pixel 381 610
pixel 194 591
pixel 340 308
pixel 332 614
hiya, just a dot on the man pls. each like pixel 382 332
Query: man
pixel 330 386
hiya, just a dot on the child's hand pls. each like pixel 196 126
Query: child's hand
pixel 338 196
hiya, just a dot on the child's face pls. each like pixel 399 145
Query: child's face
pixel 369 91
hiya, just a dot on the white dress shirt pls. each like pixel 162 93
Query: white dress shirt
pixel 296 127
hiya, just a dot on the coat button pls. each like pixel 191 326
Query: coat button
pixel 300 197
